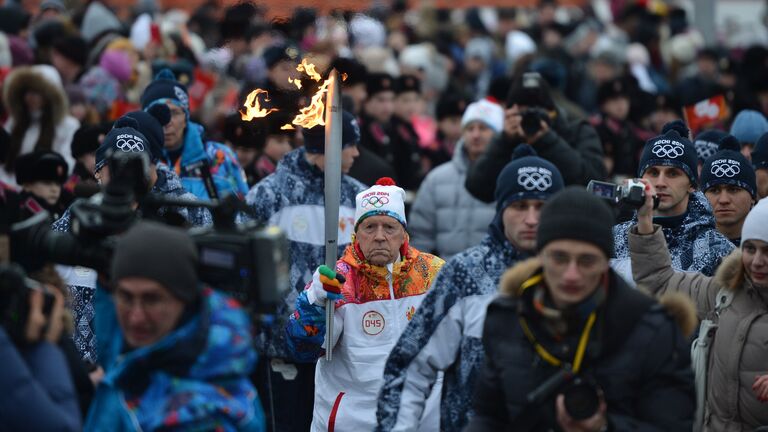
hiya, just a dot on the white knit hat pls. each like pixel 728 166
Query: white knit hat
pixel 384 198
pixel 485 111
pixel 755 226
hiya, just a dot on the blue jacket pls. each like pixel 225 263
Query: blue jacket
pixel 194 379
pixel 444 335
pixel 38 393
pixel 227 175
pixel 81 281
pixel 694 246
pixel 293 198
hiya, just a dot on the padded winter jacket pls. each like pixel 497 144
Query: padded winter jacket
pixel 445 218
pixel 635 353
pixel 740 347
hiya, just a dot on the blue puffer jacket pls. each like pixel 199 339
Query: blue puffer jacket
pixel 694 246
pixel 293 198
pixel 227 175
pixel 635 353
pixel 444 335
pixel 194 379
pixel 38 393
pixel 81 281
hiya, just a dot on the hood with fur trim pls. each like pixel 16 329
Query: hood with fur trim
pixel 27 78
pixel 679 306
pixel 731 274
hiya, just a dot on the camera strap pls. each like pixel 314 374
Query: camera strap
pixel 581 349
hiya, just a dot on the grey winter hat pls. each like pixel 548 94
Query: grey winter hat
pixel 160 253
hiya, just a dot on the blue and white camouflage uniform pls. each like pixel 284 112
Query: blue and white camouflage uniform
pixel 445 335
pixel 293 199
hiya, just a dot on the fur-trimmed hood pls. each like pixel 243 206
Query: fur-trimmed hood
pixel 731 274
pixel 679 306
pixel 39 79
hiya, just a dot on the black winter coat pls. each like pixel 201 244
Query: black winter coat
pixel 574 148
pixel 637 356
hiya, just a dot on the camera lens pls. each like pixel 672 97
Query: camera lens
pixel 581 400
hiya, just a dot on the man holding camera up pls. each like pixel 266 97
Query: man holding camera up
pixel 38 392
pixel 532 117
pixel 669 163
pixel 176 354
pixel 569 346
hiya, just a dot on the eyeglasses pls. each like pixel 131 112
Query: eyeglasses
pixel 560 259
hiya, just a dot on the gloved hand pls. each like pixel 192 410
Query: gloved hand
pixel 326 284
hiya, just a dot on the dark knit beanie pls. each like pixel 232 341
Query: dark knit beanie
pixel 527 176
pixel 671 148
pixel 707 143
pixel 165 87
pixel 124 137
pixel 356 72
pixel 728 166
pixel 86 140
pixel 575 214
pixel 151 123
pixel 314 138
pixel 161 253
pixel 760 153
pixel 74 48
pixel 41 166
pixel 450 104
pixel 530 91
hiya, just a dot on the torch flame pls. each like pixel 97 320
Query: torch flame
pixel 314 113
pixel 296 82
pixel 253 108
pixel 309 69
pixel 287 126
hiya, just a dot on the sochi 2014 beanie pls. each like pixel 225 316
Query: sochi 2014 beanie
pixel 314 138
pixel 527 176
pixel 161 253
pixel 151 123
pixel 575 214
pixel 123 137
pixel 707 143
pixel 165 87
pixel 671 148
pixel 728 166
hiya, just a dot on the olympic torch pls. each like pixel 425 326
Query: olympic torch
pixel 333 120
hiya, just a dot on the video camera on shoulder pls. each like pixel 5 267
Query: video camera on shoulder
pixel 631 194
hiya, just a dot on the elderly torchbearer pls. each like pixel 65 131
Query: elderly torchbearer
pixel 377 285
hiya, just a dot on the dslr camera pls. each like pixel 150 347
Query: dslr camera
pixel 631 194
pixel 581 394
pixel 531 120
pixel 15 290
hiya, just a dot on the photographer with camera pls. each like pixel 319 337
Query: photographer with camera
pixel 532 117
pixel 176 353
pixel 125 140
pixel 669 163
pixel 570 346
pixel 39 394
pixel 730 353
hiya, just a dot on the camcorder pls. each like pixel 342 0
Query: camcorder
pixel 247 261
pixel 531 120
pixel 15 290
pixel 629 195
pixel 581 394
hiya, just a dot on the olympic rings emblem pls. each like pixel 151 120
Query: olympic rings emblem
pixel 725 170
pixel 671 151
pixel 375 201
pixel 534 180
pixel 130 145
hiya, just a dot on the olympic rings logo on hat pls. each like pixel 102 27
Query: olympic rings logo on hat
pixel 132 144
pixel 534 181
pixel 668 150
pixel 375 201
pixel 725 169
